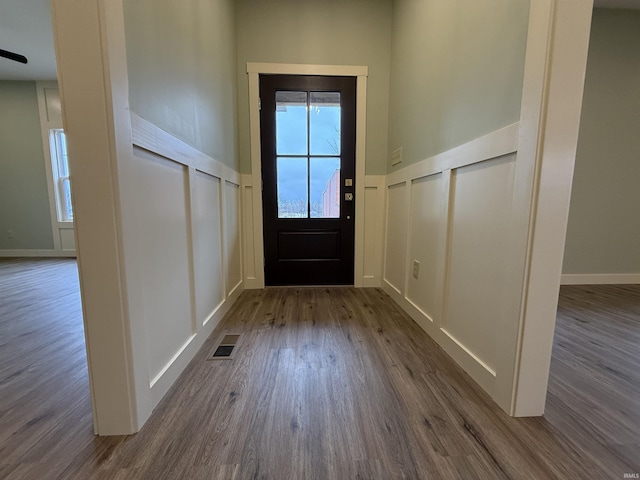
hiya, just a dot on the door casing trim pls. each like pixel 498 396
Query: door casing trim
pixel 254 70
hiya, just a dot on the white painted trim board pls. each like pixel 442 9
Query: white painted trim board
pixel 600 279
pixel 38 253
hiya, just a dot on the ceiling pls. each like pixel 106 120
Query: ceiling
pixel 25 28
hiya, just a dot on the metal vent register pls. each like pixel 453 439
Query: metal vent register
pixel 225 348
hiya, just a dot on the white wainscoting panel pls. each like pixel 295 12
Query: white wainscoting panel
pixel 247 227
pixel 252 258
pixel 396 236
pixel 374 190
pixel 208 253
pixel 164 245
pixel 425 245
pixel 480 213
pixel 452 214
pixel 233 242
pixel 188 256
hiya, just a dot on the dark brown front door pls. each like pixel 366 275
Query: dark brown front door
pixel 308 126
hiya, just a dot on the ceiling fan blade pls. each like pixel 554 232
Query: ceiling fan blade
pixel 13 56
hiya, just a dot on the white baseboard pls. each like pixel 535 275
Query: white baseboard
pixel 37 253
pixel 600 279
pixel 371 282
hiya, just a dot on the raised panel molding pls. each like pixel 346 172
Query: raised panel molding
pixel 374 201
pixel 208 245
pixel 251 231
pixel 425 245
pixel 396 236
pixel 248 234
pixel 165 297
pixel 233 241
pixel 480 204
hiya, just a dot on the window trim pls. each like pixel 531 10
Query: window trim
pixel 58 155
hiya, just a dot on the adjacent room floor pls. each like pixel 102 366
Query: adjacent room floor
pixel 324 383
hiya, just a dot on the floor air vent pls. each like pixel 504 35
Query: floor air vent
pixel 225 348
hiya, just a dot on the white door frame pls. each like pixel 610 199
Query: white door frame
pixel 254 70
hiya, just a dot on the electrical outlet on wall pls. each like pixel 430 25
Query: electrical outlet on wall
pixel 416 268
pixel 10 234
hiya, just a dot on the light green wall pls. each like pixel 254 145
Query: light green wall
pixel 181 59
pixel 328 32
pixel 604 222
pixel 456 72
pixel 24 199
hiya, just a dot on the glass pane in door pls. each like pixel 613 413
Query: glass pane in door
pixel 324 123
pixel 291 123
pixel 292 187
pixel 324 181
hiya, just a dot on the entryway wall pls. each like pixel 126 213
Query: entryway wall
pixel 495 211
pixel 335 36
pixel 460 223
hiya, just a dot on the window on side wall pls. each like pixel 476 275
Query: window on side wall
pixel 61 179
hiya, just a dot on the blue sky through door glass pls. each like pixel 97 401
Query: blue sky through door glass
pixel 325 187
pixel 292 187
pixel 324 119
pixel 291 123
pixel 291 139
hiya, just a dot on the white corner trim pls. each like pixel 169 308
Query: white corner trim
pixel 306 69
pixel 600 279
pixel 38 253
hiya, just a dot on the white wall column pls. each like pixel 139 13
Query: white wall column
pixel 552 102
pixel 89 40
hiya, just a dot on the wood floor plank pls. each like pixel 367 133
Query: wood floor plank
pixel 324 383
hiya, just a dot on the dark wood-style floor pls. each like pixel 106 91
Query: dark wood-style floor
pixel 325 384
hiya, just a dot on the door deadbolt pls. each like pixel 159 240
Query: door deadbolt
pixel 348 197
